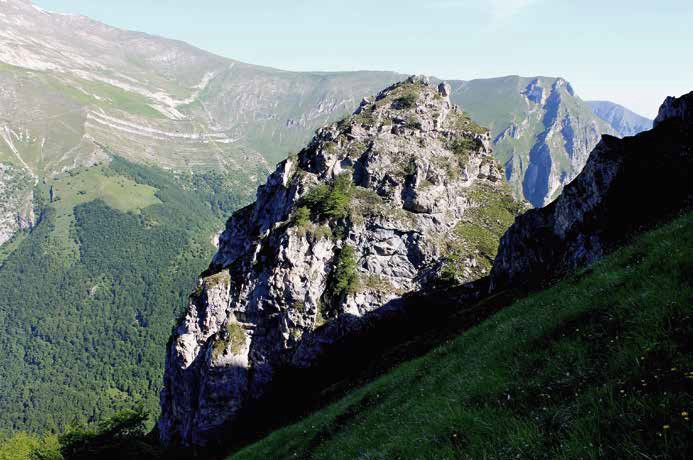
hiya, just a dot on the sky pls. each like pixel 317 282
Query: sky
pixel 631 52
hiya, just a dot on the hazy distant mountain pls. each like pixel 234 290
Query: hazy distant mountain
pixel 622 120
pixel 74 90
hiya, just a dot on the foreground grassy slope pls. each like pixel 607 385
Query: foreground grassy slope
pixel 598 366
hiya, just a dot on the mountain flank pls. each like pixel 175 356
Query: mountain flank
pixel 597 366
pixel 622 120
pixel 541 130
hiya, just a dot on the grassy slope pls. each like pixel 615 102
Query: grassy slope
pixel 597 366
pixel 96 183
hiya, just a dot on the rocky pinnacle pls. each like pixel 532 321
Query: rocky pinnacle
pixel 402 195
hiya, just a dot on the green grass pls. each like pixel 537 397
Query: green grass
pixel 331 201
pixel 597 366
pixel 344 278
pixel 463 122
pixel 301 216
pixel 478 233
pixel 118 192
pixel 407 100
pixel 234 339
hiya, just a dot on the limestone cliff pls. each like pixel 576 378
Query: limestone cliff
pixel 627 184
pixel 403 195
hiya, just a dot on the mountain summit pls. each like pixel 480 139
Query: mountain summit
pixel 403 195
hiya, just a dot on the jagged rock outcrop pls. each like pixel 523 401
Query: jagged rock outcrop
pixel 401 196
pixel 675 108
pixel 626 185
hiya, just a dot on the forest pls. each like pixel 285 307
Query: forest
pixel 87 311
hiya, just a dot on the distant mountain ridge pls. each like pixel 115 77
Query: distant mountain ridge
pixel 76 90
pixel 622 120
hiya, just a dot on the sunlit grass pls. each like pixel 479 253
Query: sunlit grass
pixel 118 192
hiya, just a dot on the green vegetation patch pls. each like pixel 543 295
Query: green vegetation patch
pixel 376 283
pixel 102 314
pixel 119 192
pixel 301 216
pixel 233 338
pixel 407 100
pixel 463 146
pixel 365 117
pixel 344 278
pixel 330 201
pixel 598 366
pixel 218 279
pixel 81 186
pixel 477 235
pixel 463 122
pixel 102 94
pixel 413 123
pixel 121 99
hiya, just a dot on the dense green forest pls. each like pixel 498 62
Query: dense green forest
pixel 89 297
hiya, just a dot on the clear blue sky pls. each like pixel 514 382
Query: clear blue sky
pixel 631 52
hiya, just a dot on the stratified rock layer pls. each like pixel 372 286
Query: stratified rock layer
pixel 627 184
pixel 403 195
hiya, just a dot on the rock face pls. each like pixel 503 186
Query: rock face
pixel 403 195
pixel 16 197
pixel 627 184
pixel 675 108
